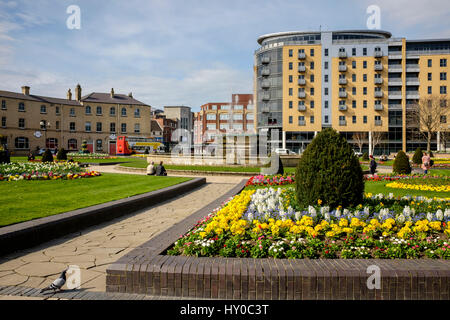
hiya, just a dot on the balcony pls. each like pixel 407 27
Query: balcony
pixel 265 60
pixel 266 97
pixel 301 122
pixel 342 81
pixel 395 68
pixel 395 106
pixel 412 94
pixel 342 123
pixel 301 108
pixel 342 94
pixel 378 123
pixel 342 68
pixel 378 107
pixel 378 54
pixel 265 72
pixel 378 94
pixel 378 80
pixel 395 82
pixel 412 68
pixel 378 67
pixel 265 109
pixel 302 94
pixel 395 56
pixel 265 84
pixel 302 55
pixel 412 81
pixel 342 107
pixel 301 82
pixel 342 54
pixel 395 95
pixel 301 68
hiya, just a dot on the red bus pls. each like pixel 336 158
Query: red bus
pixel 126 145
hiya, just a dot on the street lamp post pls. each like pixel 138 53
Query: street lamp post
pixel 44 125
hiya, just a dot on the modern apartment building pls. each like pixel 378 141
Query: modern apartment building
pixel 184 117
pixel 354 81
pixel 30 121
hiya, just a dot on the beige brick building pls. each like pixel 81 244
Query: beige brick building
pixel 30 121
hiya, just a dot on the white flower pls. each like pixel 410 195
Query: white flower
pixel 439 215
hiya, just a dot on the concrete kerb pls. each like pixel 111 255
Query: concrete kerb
pixel 189 172
pixel 31 233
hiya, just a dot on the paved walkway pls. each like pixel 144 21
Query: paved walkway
pixel 93 249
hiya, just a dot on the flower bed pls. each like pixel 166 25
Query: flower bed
pixel 43 171
pixel 261 180
pixel 90 155
pixel 267 223
pixel 421 187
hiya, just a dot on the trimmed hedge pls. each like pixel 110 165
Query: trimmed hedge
pixel 47 156
pixel 401 164
pixel 417 158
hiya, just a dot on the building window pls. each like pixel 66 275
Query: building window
pixel 443 90
pixel 21 143
pixel 290 119
pixel 250 116
pixel 290 66
pixel 326 65
pixel 21 107
pixel 4 122
pixel 311 78
pixel 290 104
pixel 353 64
pixel 326 52
pixel 290 78
pixel 365 64
pixel 223 116
pixel 290 52
pixel 429 76
pixel 72 144
pixel 326 78
pixel 211 116
pixel 443 76
pixel 112 127
pixel 353 51
pixel 72 112
pixel 443 119
pixel 364 119
pixel 238 116
pixel 137 128
pixel 124 112
pixel 290 91
pixel 311 65
pixel 301 119
pixel 51 143
pixel 353 90
pixel 99 111
pixel 137 113
pixel 364 103
pixel 430 89
pixel 365 90
pixel 311 52
pixel 443 62
pixel 99 127
pixel 98 145
pixel 123 127
pixel 43 109
pixel 326 119
pixel 57 111
pixel 72 126
pixel 353 119
pixel 326 104
pixel 21 123
pixel 311 119
pixel 326 91
pixel 87 127
pixel 3 105
pixel 311 91
pixel 443 103
pixel 365 77
pixel 57 125
pixel 112 111
pixel 354 104
pixel 429 63
pixel 88 110
pixel 364 51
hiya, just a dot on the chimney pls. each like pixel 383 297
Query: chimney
pixel 78 92
pixel 26 90
pixel 130 95
pixel 112 92
pixel 69 95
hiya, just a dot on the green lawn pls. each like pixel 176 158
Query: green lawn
pixel 119 159
pixel 26 200
pixel 376 187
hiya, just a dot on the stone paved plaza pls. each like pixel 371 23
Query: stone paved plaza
pixel 93 249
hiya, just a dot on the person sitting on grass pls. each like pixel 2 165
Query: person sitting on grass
pixel 373 165
pixel 160 170
pixel 151 169
pixel 70 160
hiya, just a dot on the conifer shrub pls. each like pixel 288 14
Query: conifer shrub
pixel 365 156
pixel 47 156
pixel 417 158
pixel 62 154
pixel 401 164
pixel 329 171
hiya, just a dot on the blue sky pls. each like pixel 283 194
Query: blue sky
pixel 170 52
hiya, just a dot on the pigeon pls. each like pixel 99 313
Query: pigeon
pixel 57 284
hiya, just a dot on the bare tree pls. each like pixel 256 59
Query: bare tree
pixel 377 137
pixel 425 117
pixel 360 138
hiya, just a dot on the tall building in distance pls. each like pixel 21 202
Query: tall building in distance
pixel 356 81
pixel 184 117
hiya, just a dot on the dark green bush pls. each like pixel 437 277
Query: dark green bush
pixel 330 171
pixel 401 164
pixel 431 154
pixel 62 154
pixel 365 156
pixel 47 156
pixel 417 158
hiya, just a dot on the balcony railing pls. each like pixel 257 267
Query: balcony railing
pixel 412 81
pixel 301 55
pixel 343 81
pixel 412 68
pixel 265 84
pixel 412 94
pixel 265 60
pixel 395 68
pixel 378 122
pixel 342 68
pixel 378 94
pixel 342 54
pixel 378 54
pixel 395 95
pixel 301 68
pixel 378 67
pixel 301 82
pixel 265 72
pixel 395 82
pixel 302 94
pixel 301 122
pixel 342 94
pixel 266 97
pixel 342 107
pixel 302 108
pixel 342 122
pixel 378 81
pixel 378 107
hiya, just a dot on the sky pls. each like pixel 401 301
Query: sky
pixel 175 52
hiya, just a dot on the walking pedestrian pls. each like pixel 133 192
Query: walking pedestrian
pixel 426 162
pixel 373 165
